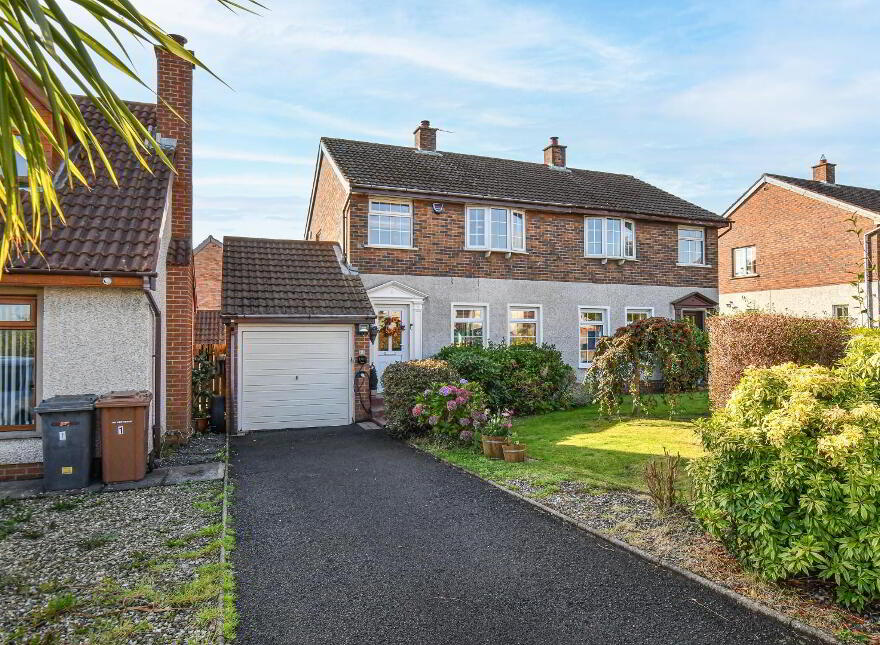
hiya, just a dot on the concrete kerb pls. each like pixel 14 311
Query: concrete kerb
pixel 221 601
pixel 795 624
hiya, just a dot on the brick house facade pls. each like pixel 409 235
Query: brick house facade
pixel 440 287
pixel 791 245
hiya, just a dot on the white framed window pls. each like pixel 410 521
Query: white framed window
pixel 638 313
pixel 524 324
pixel 495 229
pixel 390 224
pixel 840 311
pixel 609 237
pixel 592 326
pixel 744 261
pixel 470 324
pixel 691 245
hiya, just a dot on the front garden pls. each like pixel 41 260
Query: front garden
pixel 776 494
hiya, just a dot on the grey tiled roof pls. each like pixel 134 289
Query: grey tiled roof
pixel 401 168
pixel 108 227
pixel 295 278
pixel 868 198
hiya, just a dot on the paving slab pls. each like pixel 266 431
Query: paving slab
pixel 346 536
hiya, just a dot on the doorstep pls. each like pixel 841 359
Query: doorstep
pixel 377 409
pixel 158 477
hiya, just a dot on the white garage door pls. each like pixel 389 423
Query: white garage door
pixel 295 378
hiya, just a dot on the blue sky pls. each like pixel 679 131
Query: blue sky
pixel 698 98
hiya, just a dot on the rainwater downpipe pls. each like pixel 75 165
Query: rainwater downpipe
pixel 869 278
pixel 149 287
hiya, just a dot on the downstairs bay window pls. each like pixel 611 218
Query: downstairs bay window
pixel 469 325
pixel 524 325
pixel 495 229
pixel 609 237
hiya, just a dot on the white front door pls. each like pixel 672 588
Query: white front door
pixel 392 342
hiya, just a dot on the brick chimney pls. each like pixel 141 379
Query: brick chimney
pixel 824 171
pixel 425 136
pixel 174 86
pixel 554 154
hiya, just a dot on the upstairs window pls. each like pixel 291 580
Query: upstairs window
pixel 744 262
pixel 610 237
pixel 390 224
pixel 691 246
pixel 495 229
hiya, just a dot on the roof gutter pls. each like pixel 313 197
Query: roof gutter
pixel 113 274
pixel 557 206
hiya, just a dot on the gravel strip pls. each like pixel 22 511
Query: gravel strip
pixel 201 449
pixel 677 538
pixel 113 553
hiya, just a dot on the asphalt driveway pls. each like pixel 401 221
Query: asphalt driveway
pixel 345 536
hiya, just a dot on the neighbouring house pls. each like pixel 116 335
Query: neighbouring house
pixel 108 305
pixel 792 247
pixel 298 320
pixel 464 249
pixel 208 268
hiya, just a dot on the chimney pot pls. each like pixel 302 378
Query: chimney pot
pixel 425 136
pixel 554 154
pixel 824 171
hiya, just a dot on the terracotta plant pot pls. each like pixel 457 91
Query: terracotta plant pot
pixel 202 424
pixel 514 452
pixel 493 447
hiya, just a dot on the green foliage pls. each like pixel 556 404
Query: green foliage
pixel 862 361
pixel 203 373
pixel 528 379
pixel 624 362
pixel 402 384
pixel 791 479
pixel 450 409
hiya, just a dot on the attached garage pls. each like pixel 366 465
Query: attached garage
pixel 296 316
pixel 295 377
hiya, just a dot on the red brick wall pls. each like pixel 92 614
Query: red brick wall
pixel 10 472
pixel 800 242
pixel 555 246
pixel 174 85
pixel 208 264
pixel 329 202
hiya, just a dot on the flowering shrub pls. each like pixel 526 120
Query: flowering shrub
pixel 451 409
pixel 626 359
pixel 791 478
pixel 499 424
pixel 530 379
pixel 403 383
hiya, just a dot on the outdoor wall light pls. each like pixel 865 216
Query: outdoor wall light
pixel 363 329
pixel 374 332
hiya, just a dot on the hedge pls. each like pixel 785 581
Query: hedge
pixel 402 384
pixel 527 379
pixel 760 339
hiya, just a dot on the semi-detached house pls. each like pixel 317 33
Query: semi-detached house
pixel 459 248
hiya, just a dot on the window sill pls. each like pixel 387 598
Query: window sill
pixel 490 251
pixel 609 258
pixel 750 275
pixel 701 266
pixel 20 434
pixel 390 246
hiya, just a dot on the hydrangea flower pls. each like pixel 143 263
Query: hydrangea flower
pixel 463 381
pixel 433 419
pixel 465 421
pixel 451 405
pixel 416 411
pixel 427 392
pixel 466 436
pixel 445 390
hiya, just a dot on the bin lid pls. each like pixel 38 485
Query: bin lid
pixel 124 399
pixel 67 403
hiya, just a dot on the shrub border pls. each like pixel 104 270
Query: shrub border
pixel 799 626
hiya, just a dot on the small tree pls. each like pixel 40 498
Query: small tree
pixel 626 361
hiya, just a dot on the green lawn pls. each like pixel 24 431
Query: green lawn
pixel 579 445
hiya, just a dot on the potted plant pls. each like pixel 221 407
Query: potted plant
pixel 514 451
pixel 495 434
pixel 203 373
